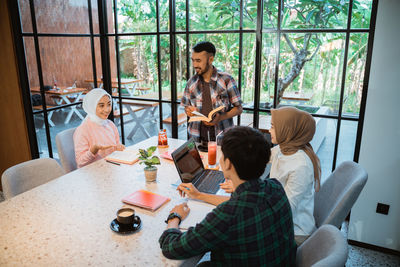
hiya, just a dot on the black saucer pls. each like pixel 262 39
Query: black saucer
pixel 126 228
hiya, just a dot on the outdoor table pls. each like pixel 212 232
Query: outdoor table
pixel 124 84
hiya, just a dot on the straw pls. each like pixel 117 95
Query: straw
pixel 208 133
pixel 216 138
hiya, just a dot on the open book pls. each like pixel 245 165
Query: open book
pixel 200 117
pixel 126 156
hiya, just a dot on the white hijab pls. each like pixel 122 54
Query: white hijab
pixel 90 104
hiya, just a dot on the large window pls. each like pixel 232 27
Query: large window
pixel 314 55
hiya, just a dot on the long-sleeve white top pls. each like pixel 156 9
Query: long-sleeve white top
pixel 296 173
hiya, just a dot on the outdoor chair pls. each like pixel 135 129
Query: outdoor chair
pixel 27 175
pixel 325 247
pixel 337 195
pixel 66 150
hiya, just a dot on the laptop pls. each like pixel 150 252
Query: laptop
pixel 191 169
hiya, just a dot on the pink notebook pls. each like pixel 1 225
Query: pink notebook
pixel 166 155
pixel 145 199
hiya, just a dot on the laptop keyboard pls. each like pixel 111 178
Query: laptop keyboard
pixel 209 181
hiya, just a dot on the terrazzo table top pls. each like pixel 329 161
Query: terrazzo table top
pixel 66 222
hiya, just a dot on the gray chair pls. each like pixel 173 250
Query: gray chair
pixel 325 247
pixel 29 174
pixel 66 150
pixel 338 194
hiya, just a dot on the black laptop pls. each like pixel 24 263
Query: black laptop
pixel 191 169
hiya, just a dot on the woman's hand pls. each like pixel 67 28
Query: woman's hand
pixel 189 190
pixel 182 209
pixel 227 186
pixel 119 147
pixel 95 148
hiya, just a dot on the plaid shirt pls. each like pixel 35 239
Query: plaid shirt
pixel 224 92
pixel 253 228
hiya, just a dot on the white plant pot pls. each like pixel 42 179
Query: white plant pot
pixel 150 174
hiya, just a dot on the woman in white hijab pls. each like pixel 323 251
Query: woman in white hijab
pixel 97 136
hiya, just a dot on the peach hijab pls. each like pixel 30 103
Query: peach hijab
pixel 294 129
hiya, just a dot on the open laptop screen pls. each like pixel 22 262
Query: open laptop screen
pixel 188 162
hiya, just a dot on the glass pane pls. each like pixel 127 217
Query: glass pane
pixel 246 118
pixel 41 135
pixel 137 16
pixel 25 15
pixel 248 67
pixel 141 120
pixel 181 63
pixel 182 124
pixel 31 66
pixel 268 63
pixel 305 14
pixel 62 16
pixel 347 141
pixel 165 68
pixel 164 15
pixel 270 19
pixel 249 13
pixel 180 7
pixel 227 55
pixel 213 15
pixel 361 16
pixel 355 73
pixel 65 60
pixel 323 144
pixel 95 16
pixel 311 79
pixel 138 65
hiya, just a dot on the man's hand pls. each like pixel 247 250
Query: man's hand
pixel 182 209
pixel 189 110
pixel 215 120
pixel 189 190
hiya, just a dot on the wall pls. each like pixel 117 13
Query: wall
pixel 380 144
pixel 14 143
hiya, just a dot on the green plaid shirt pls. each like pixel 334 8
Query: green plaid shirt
pixel 253 228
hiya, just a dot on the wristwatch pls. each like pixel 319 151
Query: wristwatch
pixel 172 216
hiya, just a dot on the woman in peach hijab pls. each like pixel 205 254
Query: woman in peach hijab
pixel 294 164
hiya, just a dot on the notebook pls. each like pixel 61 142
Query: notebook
pixel 166 155
pixel 145 199
pixel 126 157
pixel 191 169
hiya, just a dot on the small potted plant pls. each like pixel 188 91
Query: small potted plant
pixel 150 171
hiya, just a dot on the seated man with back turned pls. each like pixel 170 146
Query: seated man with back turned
pixel 254 227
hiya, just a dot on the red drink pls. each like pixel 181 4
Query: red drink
pixel 212 154
pixel 162 138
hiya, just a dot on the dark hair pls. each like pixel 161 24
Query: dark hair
pixel 248 150
pixel 204 46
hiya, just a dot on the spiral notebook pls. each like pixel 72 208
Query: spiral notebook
pixel 145 199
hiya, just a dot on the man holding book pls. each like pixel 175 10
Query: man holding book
pixel 252 228
pixel 206 91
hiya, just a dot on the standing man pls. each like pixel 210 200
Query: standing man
pixel 208 89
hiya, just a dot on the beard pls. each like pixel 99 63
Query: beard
pixel 200 71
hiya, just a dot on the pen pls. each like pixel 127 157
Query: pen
pixel 113 162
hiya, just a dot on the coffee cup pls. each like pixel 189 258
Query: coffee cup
pixel 126 215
